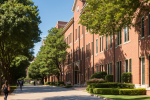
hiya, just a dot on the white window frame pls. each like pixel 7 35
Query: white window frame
pixel 141 71
pixel 126 34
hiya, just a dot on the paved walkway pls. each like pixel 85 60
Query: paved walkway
pixel 49 93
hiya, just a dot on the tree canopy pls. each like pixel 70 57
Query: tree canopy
pixel 18 32
pixel 51 55
pixel 110 16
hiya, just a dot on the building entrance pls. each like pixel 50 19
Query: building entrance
pixel 76 75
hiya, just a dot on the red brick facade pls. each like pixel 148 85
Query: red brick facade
pixel 127 51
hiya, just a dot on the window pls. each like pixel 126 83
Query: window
pixel 126 65
pixel 126 34
pixel 88 73
pixel 67 40
pixel 70 37
pixel 105 67
pixel 96 68
pixel 119 71
pixel 149 24
pixel 100 44
pixel 96 46
pixel 87 50
pixel 106 42
pixel 111 41
pixel 119 38
pixel 100 68
pixel 143 71
pixel 142 27
pixel 92 48
pixel 110 69
pixel 77 9
pixel 76 55
pixel 130 65
pixel 76 34
pixel 79 32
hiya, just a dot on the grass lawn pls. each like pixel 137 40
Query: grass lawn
pixel 126 97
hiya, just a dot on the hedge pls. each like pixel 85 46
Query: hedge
pixel 112 85
pixel 87 88
pixel 47 83
pixel 91 90
pixel 99 75
pixel 116 91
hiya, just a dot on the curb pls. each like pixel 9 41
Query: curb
pixel 100 97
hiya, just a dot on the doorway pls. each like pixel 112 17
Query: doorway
pixel 76 75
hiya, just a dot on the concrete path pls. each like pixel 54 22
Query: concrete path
pixel 49 93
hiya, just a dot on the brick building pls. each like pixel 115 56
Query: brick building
pixel 127 51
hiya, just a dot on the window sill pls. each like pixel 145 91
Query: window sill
pixel 81 37
pixel 101 52
pixel 149 36
pixel 142 37
pixel 70 44
pixel 86 33
pixel 106 50
pixel 76 41
pixel 91 55
pixel 126 42
pixel 87 57
pixel 96 54
pixel 118 46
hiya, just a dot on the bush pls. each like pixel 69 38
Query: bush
pixel 47 83
pixel 59 82
pixel 109 78
pixel 116 91
pixel 87 88
pixel 91 90
pixel 126 77
pixel 95 80
pixel 99 75
pixel 112 85
pixel 68 86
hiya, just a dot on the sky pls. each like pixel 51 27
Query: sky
pixel 50 12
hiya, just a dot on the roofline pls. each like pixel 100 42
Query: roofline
pixel 67 25
pixel 74 4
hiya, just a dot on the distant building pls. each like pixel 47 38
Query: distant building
pixel 60 24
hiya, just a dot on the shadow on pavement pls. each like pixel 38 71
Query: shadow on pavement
pixel 39 89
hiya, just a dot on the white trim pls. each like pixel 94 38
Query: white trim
pixel 86 33
pixel 148 35
pixel 118 46
pixel 142 37
pixel 87 43
pixel 76 41
pixel 74 4
pixel 126 42
pixel 101 52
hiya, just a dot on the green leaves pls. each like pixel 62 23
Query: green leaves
pixel 50 56
pixel 110 16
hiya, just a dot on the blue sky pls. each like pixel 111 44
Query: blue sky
pixel 50 12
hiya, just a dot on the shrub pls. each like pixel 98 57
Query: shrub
pixel 109 78
pixel 91 90
pixel 59 82
pixel 126 77
pixel 68 86
pixel 140 91
pixel 111 85
pixel 47 83
pixel 87 88
pixel 99 75
pixel 95 80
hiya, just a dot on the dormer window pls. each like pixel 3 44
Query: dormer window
pixel 77 9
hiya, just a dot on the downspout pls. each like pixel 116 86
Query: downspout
pixel 79 56
pixel 83 51
pixel 73 50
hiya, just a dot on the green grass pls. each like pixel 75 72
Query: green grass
pixel 126 97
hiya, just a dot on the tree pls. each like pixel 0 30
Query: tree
pixel 18 32
pixel 110 16
pixel 55 49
